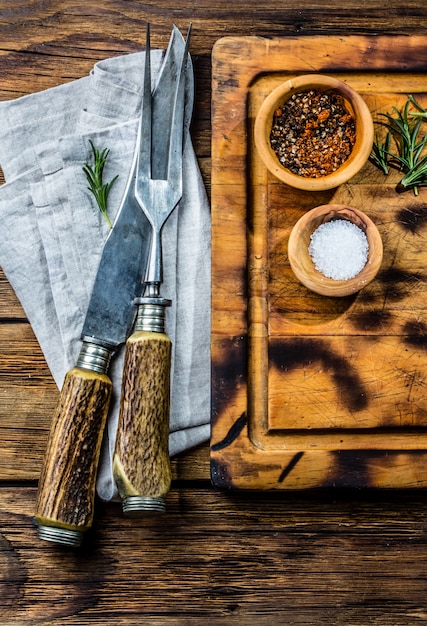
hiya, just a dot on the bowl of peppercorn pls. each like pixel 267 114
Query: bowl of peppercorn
pixel 314 132
pixel 335 250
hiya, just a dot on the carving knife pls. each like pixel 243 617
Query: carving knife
pixel 66 494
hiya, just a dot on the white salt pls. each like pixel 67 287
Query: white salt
pixel 339 249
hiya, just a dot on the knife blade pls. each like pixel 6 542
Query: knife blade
pixel 66 493
pixel 141 465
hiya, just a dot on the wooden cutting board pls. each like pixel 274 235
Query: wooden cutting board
pixel 309 391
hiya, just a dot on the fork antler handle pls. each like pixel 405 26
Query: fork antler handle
pixel 65 501
pixel 141 464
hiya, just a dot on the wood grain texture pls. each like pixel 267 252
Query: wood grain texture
pixel 67 481
pixel 141 464
pixel 331 383
pixel 342 558
pixel 333 559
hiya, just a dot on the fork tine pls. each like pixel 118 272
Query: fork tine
pixel 177 138
pixel 158 183
pixel 144 134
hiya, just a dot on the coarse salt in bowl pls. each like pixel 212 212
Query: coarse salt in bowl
pixel 339 249
pixel 360 124
pixel 335 250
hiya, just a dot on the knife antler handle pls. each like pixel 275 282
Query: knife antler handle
pixel 66 495
pixel 141 465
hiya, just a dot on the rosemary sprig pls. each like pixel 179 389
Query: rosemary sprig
pixel 94 176
pixel 380 153
pixel 405 127
pixel 420 112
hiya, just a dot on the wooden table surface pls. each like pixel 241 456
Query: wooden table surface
pixel 328 557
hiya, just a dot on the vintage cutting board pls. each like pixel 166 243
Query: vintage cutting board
pixel 309 391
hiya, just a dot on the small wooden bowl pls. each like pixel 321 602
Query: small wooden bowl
pixel 355 105
pixel 302 263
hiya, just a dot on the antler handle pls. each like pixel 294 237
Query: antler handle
pixel 141 464
pixel 65 501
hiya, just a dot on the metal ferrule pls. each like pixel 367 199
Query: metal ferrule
pixel 63 536
pixel 151 314
pixel 94 357
pixel 140 506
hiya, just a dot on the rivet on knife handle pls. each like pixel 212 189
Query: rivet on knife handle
pixel 65 502
pixel 141 465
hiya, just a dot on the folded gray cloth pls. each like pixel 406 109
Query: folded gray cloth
pixel 53 233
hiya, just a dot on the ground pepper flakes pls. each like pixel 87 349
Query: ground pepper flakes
pixel 312 133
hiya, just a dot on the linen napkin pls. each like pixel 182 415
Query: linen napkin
pixel 53 233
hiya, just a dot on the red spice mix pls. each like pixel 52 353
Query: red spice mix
pixel 313 134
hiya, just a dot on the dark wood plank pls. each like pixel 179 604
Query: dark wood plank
pixel 10 307
pixel 217 559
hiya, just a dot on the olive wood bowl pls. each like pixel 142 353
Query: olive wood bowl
pixel 302 264
pixel 354 104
